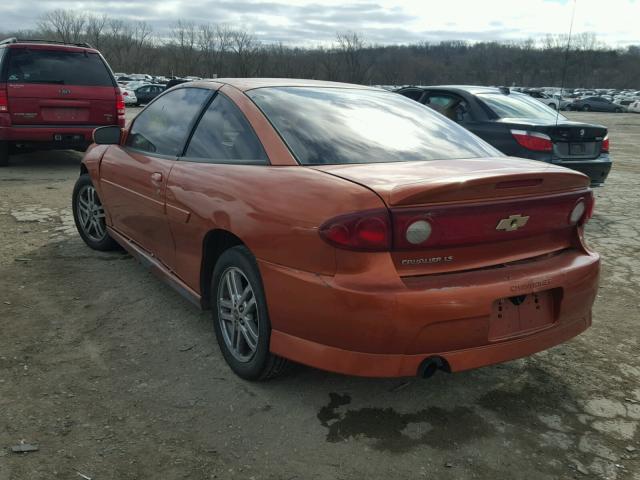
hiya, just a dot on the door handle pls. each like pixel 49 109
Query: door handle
pixel 156 177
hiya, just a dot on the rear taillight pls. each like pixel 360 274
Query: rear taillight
pixel 590 205
pixel 119 102
pixel 604 146
pixel 366 231
pixel 538 142
pixel 4 100
pixel 582 210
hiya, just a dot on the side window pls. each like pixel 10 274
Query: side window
pixel 452 107
pixel 163 127
pixel 144 90
pixel 412 94
pixel 225 136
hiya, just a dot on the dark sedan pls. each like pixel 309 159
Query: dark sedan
pixel 596 104
pixel 146 93
pixel 520 126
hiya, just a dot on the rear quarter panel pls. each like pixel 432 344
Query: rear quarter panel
pixel 275 211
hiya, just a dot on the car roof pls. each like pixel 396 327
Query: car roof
pixel 473 89
pixel 245 84
pixel 48 45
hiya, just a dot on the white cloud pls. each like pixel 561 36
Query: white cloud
pixel 382 21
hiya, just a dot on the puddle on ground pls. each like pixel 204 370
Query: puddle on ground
pixel 399 432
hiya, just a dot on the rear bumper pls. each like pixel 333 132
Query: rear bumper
pixel 333 324
pixel 597 169
pixel 52 136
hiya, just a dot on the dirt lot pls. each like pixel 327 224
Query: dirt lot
pixel 116 376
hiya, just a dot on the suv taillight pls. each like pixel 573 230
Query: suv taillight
pixel 604 146
pixel 538 142
pixel 4 99
pixel 119 102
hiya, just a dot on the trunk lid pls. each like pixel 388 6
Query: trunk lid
pixel 571 140
pixel 483 212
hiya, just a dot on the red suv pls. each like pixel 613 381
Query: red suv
pixel 53 95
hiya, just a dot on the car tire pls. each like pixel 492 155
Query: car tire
pixel 618 110
pixel 586 108
pixel 239 317
pixel 4 154
pixel 89 216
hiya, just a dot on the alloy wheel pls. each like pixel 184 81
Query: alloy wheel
pixel 91 214
pixel 238 314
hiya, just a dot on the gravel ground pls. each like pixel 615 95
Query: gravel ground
pixel 115 376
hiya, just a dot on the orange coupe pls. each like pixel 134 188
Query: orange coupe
pixel 342 227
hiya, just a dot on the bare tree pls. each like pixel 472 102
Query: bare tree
pixel 355 61
pixel 244 47
pixel 205 49
pixel 184 43
pixel 64 25
pixel 94 30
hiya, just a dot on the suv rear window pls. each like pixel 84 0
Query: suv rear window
pixel 58 67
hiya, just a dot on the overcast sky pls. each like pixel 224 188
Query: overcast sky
pixel 310 22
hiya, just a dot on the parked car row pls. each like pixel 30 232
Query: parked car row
pixel 600 100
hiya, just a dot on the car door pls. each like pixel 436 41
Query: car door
pixel 206 183
pixel 134 176
pixel 143 94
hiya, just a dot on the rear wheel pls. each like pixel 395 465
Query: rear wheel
pixel 89 216
pixel 240 317
pixel 618 110
pixel 4 154
pixel 586 108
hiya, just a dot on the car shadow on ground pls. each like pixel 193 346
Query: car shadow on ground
pixel 49 158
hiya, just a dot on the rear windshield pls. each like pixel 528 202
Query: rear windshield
pixel 340 125
pixel 58 67
pixel 518 106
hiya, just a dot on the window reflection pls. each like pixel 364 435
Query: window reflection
pixel 340 125
pixel 162 128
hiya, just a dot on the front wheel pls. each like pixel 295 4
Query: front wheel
pixel 240 316
pixel 89 216
pixel 586 108
pixel 618 110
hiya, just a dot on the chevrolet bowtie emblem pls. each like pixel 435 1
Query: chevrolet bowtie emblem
pixel 513 222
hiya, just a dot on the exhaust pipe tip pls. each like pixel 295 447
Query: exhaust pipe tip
pixel 431 365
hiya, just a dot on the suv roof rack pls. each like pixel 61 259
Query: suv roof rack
pixel 54 42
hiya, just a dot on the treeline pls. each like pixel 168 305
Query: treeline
pixel 206 49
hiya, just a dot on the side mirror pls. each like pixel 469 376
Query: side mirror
pixel 110 135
